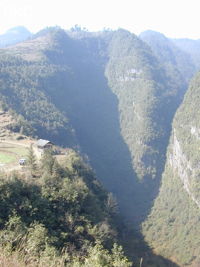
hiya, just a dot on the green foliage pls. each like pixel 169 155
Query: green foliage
pixel 98 257
pixel 21 125
pixel 31 161
pixel 172 227
pixel 23 92
pixel 14 233
pixel 60 214
pixel 141 85
pixel 47 162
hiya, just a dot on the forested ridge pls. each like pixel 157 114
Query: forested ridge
pixel 170 227
pixel 112 96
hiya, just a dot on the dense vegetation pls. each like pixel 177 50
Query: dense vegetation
pixel 140 82
pixel 22 94
pixel 173 225
pixel 61 217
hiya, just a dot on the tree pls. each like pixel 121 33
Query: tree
pixel 32 165
pixel 78 28
pixel 111 204
pixel 57 171
pixel 47 161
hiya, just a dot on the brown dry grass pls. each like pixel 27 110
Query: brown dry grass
pixel 13 260
pixel 10 261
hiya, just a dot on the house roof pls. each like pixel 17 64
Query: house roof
pixel 42 142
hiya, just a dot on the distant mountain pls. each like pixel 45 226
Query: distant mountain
pixel 14 36
pixel 176 60
pixel 190 46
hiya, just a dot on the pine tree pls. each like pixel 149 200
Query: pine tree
pixel 47 162
pixel 32 161
pixel 57 171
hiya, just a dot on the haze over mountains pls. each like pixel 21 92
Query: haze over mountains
pixel 14 35
pixel 128 104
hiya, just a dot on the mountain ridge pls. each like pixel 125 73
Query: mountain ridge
pixel 14 35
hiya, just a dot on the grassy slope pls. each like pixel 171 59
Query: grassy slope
pixel 10 153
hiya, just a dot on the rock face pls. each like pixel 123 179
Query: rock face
pixel 175 216
pixel 180 164
pixel 187 137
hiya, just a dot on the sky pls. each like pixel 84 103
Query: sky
pixel 174 18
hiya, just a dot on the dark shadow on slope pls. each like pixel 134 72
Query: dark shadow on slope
pixel 139 252
pixel 148 188
pixel 82 92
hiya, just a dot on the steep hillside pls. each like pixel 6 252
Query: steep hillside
pixel 52 79
pixel 173 225
pixel 24 68
pixel 103 93
pixel 139 81
pixel 62 217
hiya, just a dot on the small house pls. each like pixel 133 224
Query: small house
pixel 44 144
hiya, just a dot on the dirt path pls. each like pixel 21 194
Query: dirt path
pixel 19 143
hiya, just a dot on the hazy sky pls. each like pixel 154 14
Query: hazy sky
pixel 174 18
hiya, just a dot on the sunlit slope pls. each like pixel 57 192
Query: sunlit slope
pixel 173 225
pixel 25 70
pixel 147 101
